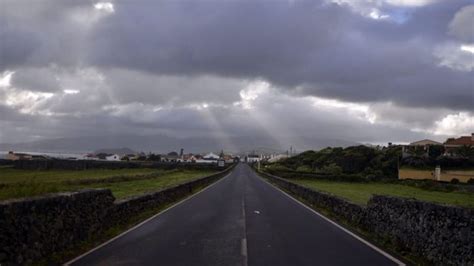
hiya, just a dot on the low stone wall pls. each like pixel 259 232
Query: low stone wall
pixel 462 176
pixel 5 162
pixel 32 229
pixel 442 235
pixel 72 165
pixel 319 176
pixel 92 164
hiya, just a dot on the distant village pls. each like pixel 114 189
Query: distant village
pixel 171 157
pixel 419 148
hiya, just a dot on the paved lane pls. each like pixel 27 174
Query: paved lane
pixel 239 220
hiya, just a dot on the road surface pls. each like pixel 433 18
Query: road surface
pixel 240 220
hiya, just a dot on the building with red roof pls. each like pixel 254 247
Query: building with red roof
pixel 451 144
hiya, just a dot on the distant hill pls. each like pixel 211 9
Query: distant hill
pixel 119 151
pixel 165 144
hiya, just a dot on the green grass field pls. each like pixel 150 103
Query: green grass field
pixel 10 175
pixel 26 183
pixel 130 188
pixel 360 193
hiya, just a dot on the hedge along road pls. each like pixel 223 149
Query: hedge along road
pixel 240 220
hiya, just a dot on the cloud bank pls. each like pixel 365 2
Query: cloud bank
pixel 365 71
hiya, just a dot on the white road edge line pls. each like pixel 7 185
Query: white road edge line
pixel 144 222
pixel 337 225
pixel 243 247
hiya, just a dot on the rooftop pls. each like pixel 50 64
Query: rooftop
pixel 425 142
pixel 464 140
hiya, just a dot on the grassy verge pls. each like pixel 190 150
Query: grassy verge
pixel 123 182
pixel 360 193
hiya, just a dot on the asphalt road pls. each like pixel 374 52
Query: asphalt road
pixel 240 220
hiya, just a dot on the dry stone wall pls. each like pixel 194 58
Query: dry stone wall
pixel 93 164
pixel 32 229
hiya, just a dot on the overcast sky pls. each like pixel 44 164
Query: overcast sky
pixel 360 70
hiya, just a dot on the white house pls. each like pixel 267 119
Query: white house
pixel 113 157
pixel 205 161
pixel 253 158
pixel 211 156
pixel 208 158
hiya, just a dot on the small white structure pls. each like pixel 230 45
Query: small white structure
pixel 253 158
pixel 205 161
pixel 208 158
pixel 211 156
pixel 437 173
pixel 221 163
pixel 113 157
pixel 88 157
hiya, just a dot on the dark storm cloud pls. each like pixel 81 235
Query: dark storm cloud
pixel 194 68
pixel 237 38
pixel 15 46
pixel 326 48
pixel 133 86
pixel 40 33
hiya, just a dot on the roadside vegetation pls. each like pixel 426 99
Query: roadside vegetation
pixel 352 162
pixel 16 183
pixel 356 173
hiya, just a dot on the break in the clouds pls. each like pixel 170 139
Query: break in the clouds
pixel 366 71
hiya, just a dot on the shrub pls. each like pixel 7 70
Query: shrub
pixel 371 177
pixel 351 161
pixel 278 168
pixel 470 181
pixel 304 169
pixel 435 151
pixel 465 151
pixel 417 162
pixel 454 181
pixel 332 169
